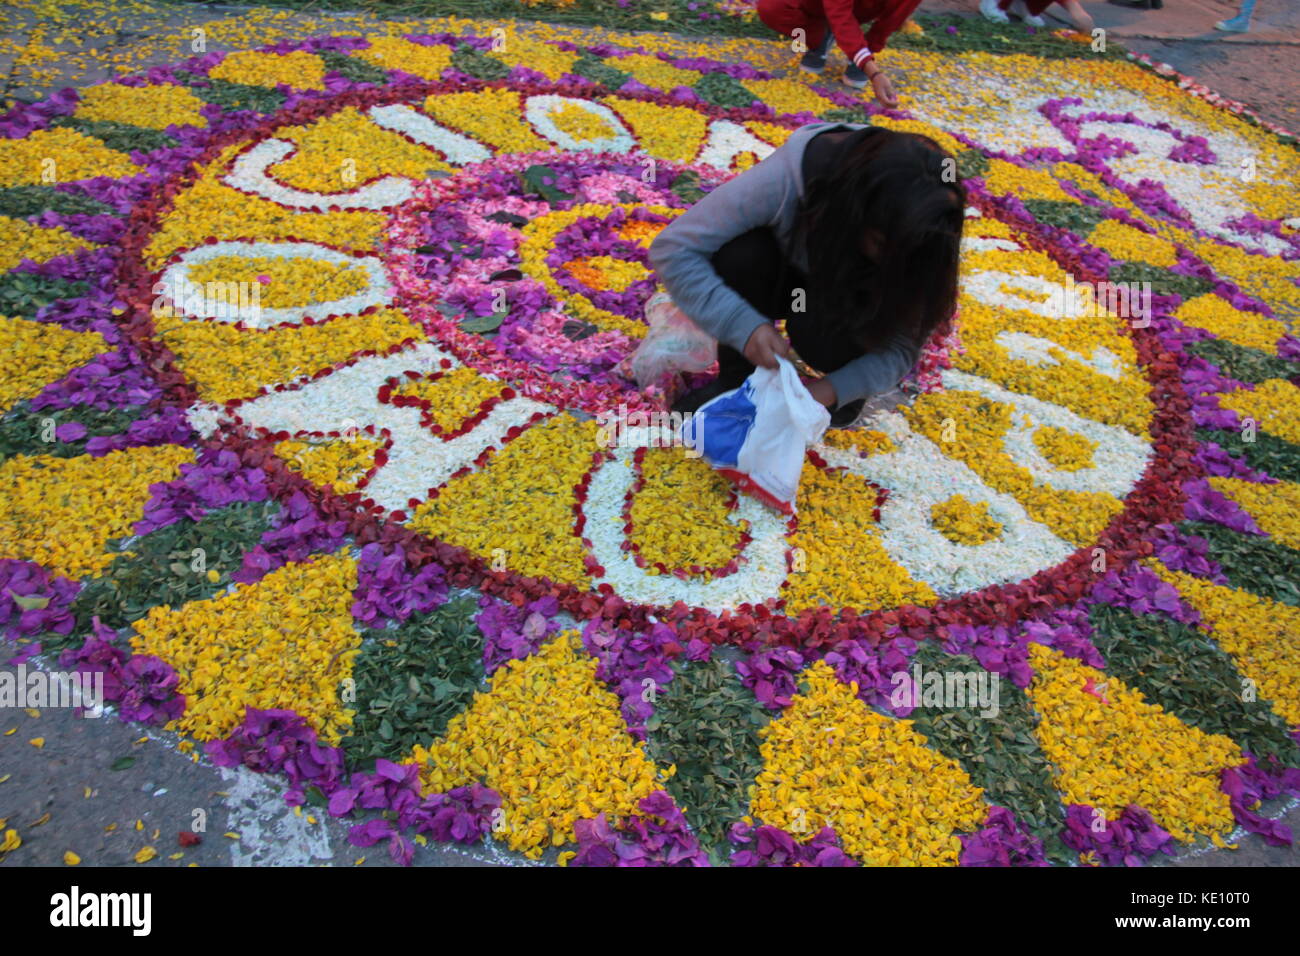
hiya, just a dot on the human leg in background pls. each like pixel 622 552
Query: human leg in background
pixel 1027 10
pixel 856 77
pixel 1080 17
pixel 992 10
pixel 787 16
pixel 814 61
pixel 1241 22
pixel 1139 4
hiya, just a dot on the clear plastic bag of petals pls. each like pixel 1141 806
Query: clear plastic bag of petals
pixel 674 345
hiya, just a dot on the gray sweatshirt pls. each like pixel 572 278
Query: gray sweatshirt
pixel 768 194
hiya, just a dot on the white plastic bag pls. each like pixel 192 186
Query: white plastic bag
pixel 674 344
pixel 757 434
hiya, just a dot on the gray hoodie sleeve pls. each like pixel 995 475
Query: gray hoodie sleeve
pixel 681 253
pixel 877 371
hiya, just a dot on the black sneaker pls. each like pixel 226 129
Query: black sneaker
pixel 855 77
pixel 814 61
pixel 846 415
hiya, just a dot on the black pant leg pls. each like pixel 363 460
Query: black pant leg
pixel 751 264
pixel 822 348
pixel 826 350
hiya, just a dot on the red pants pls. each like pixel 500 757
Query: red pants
pixel 1035 7
pixel 786 16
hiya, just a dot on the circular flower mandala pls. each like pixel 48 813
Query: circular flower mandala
pixel 530 269
pixel 361 345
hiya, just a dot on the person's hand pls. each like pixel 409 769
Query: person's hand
pixel 884 90
pixel 823 391
pixel 764 345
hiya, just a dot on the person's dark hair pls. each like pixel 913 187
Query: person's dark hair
pixel 895 193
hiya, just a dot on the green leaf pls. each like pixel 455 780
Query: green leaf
pixel 483 323
pixel 540 180
pixel 1261 566
pixel 148 577
pixel 848 114
pixel 707 723
pixel 995 753
pixel 478 65
pixel 122 763
pixel 719 89
pixel 1239 362
pixel 23 201
pixel 1180 668
pixel 1163 282
pixel 26 293
pixel 1076 217
pixel 29 602
pixel 238 96
pixel 600 72
pixel 1267 453
pixel 686 187
pixel 971 162
pixel 352 68
pixel 24 431
pixel 412 679
pixel 118 136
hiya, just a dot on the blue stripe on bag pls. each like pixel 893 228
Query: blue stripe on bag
pixel 724 424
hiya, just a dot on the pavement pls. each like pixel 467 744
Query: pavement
pixel 106 790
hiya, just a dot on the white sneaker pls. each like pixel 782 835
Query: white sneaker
pixel 991 12
pixel 1020 10
pixel 1238 24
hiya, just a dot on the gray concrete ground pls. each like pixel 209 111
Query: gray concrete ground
pixel 65 795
